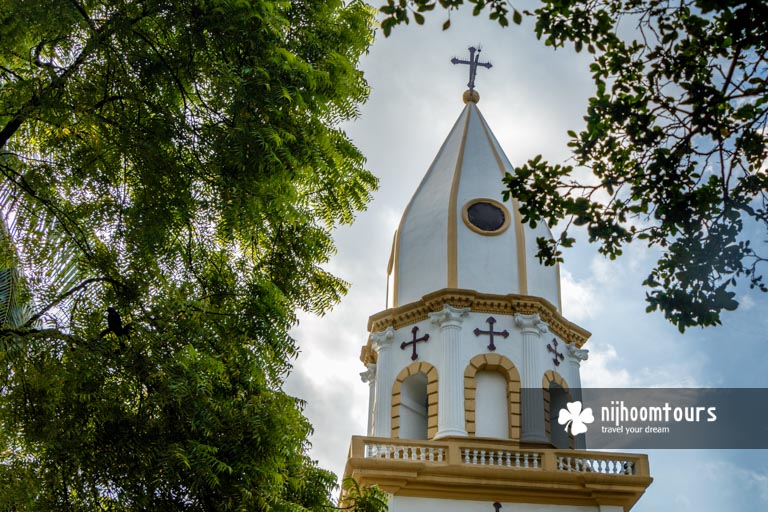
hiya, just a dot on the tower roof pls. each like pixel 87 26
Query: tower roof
pixel 457 232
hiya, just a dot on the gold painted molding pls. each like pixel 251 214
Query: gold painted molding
pixel 522 264
pixel 453 237
pixel 477 303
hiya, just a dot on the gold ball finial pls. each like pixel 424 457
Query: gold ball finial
pixel 471 95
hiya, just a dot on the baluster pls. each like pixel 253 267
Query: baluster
pixel 509 456
pixel 517 459
pixel 482 457
pixel 431 457
pixel 535 461
pixel 559 463
pixel 474 456
pixel 440 455
pixel 525 460
pixel 568 460
pixel 466 455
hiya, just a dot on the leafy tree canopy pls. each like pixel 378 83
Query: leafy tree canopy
pixel 178 165
pixel 675 139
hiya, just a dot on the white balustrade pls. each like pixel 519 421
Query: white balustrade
pixel 404 452
pixel 606 466
pixel 501 458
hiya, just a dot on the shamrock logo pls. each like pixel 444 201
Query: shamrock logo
pixel 577 418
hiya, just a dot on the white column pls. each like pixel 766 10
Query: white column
pixel 532 421
pixel 369 376
pixel 382 414
pixel 576 356
pixel 450 376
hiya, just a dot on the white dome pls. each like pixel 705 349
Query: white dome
pixel 456 232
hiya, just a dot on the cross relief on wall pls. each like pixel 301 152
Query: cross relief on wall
pixel 413 342
pixel 490 332
pixel 558 356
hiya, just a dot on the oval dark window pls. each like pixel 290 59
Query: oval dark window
pixel 486 216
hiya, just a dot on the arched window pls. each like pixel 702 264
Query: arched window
pixel 414 402
pixel 413 407
pixel 491 405
pixel 481 383
pixel 556 397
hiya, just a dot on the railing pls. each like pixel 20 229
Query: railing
pixel 503 458
pixel 404 452
pixel 496 454
pixel 606 464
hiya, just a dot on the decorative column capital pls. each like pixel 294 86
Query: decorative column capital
pixel 449 316
pixel 531 324
pixel 382 340
pixel 369 375
pixel 579 354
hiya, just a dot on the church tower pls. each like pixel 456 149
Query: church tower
pixel 472 359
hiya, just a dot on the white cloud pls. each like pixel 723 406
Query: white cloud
pixel 603 369
pixel 749 481
pixel 580 301
pixel 746 302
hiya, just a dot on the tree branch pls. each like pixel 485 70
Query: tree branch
pixel 69 293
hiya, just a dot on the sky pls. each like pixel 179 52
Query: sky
pixel 530 98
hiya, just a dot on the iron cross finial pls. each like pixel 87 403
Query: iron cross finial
pixel 474 61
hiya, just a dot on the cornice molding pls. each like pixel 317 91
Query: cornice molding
pixel 511 304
